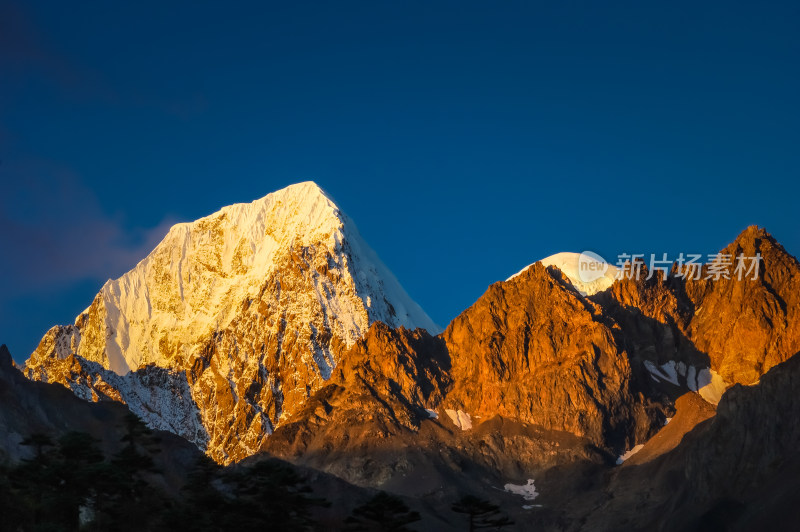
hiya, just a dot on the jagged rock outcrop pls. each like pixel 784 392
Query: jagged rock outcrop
pixel 391 379
pixel 654 316
pixel 532 348
pixel 738 328
pixel 379 422
pixel 748 326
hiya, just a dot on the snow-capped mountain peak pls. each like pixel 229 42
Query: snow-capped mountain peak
pixel 588 281
pixel 270 290
pixel 194 282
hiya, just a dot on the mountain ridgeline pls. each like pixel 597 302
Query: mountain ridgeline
pixel 272 327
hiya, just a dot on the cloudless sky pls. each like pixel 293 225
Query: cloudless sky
pixel 466 139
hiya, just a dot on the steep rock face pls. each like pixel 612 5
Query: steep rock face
pixel 399 365
pixel 533 349
pixel 252 304
pixel 364 423
pixel 387 379
pixel 748 326
pixel 739 328
pixel 379 422
pixel 654 317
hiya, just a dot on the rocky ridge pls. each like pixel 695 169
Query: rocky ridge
pixel 536 380
pixel 297 351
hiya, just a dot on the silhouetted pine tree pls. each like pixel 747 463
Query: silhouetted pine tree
pixel 481 513
pixel 123 487
pixel 69 486
pixel 12 509
pixel 57 483
pixel 135 457
pixel 39 442
pixel 33 480
pixel 383 512
pixel 202 507
pixel 272 494
pixel 77 464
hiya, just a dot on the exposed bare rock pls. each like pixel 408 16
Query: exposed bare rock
pixel 296 360
pixel 748 326
pixel 386 379
pixel 409 366
pixel 738 327
pixel 533 349
pixel 654 317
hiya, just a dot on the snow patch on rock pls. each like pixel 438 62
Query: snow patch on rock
pixel 710 385
pixel 459 418
pixel 629 453
pixel 705 381
pixel 527 491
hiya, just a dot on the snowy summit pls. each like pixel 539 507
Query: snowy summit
pixel 196 280
pixel 248 311
pixel 599 277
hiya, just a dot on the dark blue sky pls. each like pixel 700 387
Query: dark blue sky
pixel 466 139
